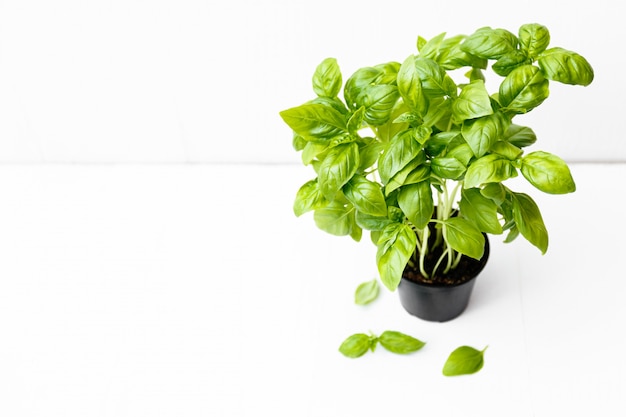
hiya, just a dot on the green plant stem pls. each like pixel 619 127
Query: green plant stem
pixel 446 201
pixel 450 252
pixel 417 235
pixel 439 238
pixel 424 251
pixel 443 255
pixel 459 255
pixel 450 197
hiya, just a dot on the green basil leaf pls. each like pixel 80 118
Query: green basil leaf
pixel 523 89
pixel 464 360
pixel 506 149
pixel 419 174
pixel 403 148
pixel 512 235
pixel 421 42
pixel 387 131
pixel 396 244
pixel 396 214
pixel 520 136
pixel 490 43
pixel 461 152
pixel 335 218
pixel 481 210
pixel 473 102
pixel 312 150
pixel 315 120
pixel 366 196
pixel 298 142
pixel 374 235
pixel 379 101
pixel 410 87
pixel 534 39
pixel 372 223
pixel 430 49
pixel 439 113
pixel 416 201
pixel 400 343
pixel 356 233
pixel 447 167
pixel 400 178
pixel 464 237
pixel 343 139
pixel 361 79
pixel 339 165
pixel 356 121
pixel 489 168
pixel 366 292
pixel 356 345
pixel 482 133
pixel 439 142
pixel 327 78
pixel 548 173
pixel 510 61
pixel 309 197
pixel 529 221
pixel 408 176
pixel 435 81
pixel 333 102
pixel 452 57
pixel 388 73
pixel 422 133
pixel 408 118
pixel 566 67
pixel 495 192
pixel 369 152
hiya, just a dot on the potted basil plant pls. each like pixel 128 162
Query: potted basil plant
pixel 420 159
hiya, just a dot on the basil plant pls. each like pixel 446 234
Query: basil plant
pixel 420 160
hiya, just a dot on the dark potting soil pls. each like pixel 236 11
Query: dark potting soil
pixel 467 269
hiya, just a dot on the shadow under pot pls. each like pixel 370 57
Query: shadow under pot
pixel 438 301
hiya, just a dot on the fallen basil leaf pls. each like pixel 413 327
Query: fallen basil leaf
pixel 400 343
pixel 366 292
pixel 463 361
pixel 356 345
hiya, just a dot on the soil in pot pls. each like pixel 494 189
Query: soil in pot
pixel 443 296
pixel 467 269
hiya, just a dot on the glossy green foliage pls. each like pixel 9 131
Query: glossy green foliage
pixel 464 236
pixel 366 292
pixel 327 79
pixel 396 244
pixel 358 344
pixel 566 67
pixel 399 343
pixel 404 149
pixel 547 172
pixel 464 360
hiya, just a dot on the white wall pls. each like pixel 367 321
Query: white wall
pixel 203 81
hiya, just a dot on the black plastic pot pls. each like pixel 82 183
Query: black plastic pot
pixel 439 302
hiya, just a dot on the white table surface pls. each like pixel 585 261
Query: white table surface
pixel 192 290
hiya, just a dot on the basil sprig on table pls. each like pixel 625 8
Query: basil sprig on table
pixel 358 344
pixel 407 146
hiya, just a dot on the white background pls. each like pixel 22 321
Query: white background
pixel 150 263
pixel 203 81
